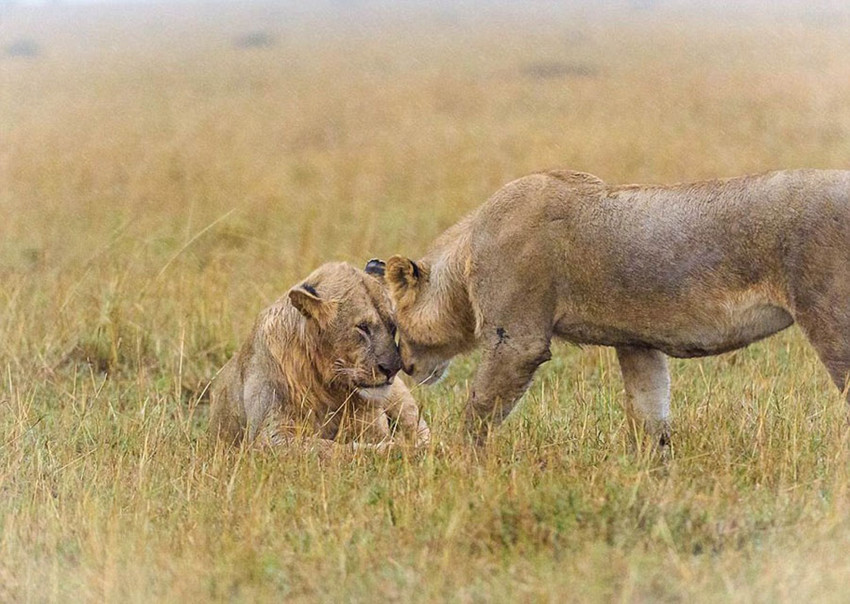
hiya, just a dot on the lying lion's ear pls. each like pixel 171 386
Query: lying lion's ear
pixel 403 274
pixel 376 268
pixel 306 299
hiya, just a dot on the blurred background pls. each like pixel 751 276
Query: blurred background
pixel 168 169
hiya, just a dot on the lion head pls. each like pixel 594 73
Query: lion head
pixel 433 321
pixel 348 323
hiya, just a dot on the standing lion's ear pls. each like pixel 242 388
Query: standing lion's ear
pixel 309 303
pixel 376 268
pixel 403 275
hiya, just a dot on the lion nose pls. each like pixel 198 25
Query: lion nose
pixel 408 369
pixel 389 369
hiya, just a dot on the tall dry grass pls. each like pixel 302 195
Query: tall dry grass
pixel 160 182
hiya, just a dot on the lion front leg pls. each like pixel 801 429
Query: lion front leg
pixel 360 427
pixel 402 408
pixel 647 383
pixel 367 423
pixel 506 369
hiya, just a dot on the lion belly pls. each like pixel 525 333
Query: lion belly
pixel 699 330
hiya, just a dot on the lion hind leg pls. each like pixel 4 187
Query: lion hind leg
pixel 828 332
pixel 647 384
pixel 227 414
pixel 260 401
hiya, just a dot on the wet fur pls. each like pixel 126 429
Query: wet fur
pixel 299 375
pixel 683 270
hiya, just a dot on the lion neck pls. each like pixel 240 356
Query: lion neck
pixel 447 311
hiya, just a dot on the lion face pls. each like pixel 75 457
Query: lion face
pixel 349 314
pixel 430 332
pixel 424 364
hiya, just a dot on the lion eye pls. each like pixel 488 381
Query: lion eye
pixel 364 328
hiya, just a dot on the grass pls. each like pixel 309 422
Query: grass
pixel 159 184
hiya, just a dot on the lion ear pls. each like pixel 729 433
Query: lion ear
pixel 403 274
pixel 309 303
pixel 376 268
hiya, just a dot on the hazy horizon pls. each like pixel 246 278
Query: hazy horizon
pixel 768 4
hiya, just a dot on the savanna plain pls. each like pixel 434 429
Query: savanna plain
pixel 168 170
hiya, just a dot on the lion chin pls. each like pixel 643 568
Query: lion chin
pixel 435 376
pixel 375 393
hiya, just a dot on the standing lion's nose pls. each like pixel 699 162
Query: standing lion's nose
pixel 409 368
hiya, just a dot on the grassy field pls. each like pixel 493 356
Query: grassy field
pixel 163 177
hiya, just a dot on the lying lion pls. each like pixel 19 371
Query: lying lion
pixel 685 270
pixel 320 362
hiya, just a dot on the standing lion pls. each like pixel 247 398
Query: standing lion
pixel 684 270
pixel 320 362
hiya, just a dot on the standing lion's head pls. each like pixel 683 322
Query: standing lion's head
pixel 433 320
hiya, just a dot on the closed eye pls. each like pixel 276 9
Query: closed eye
pixel 363 328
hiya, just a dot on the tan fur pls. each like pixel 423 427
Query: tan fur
pixel 320 362
pixel 684 270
